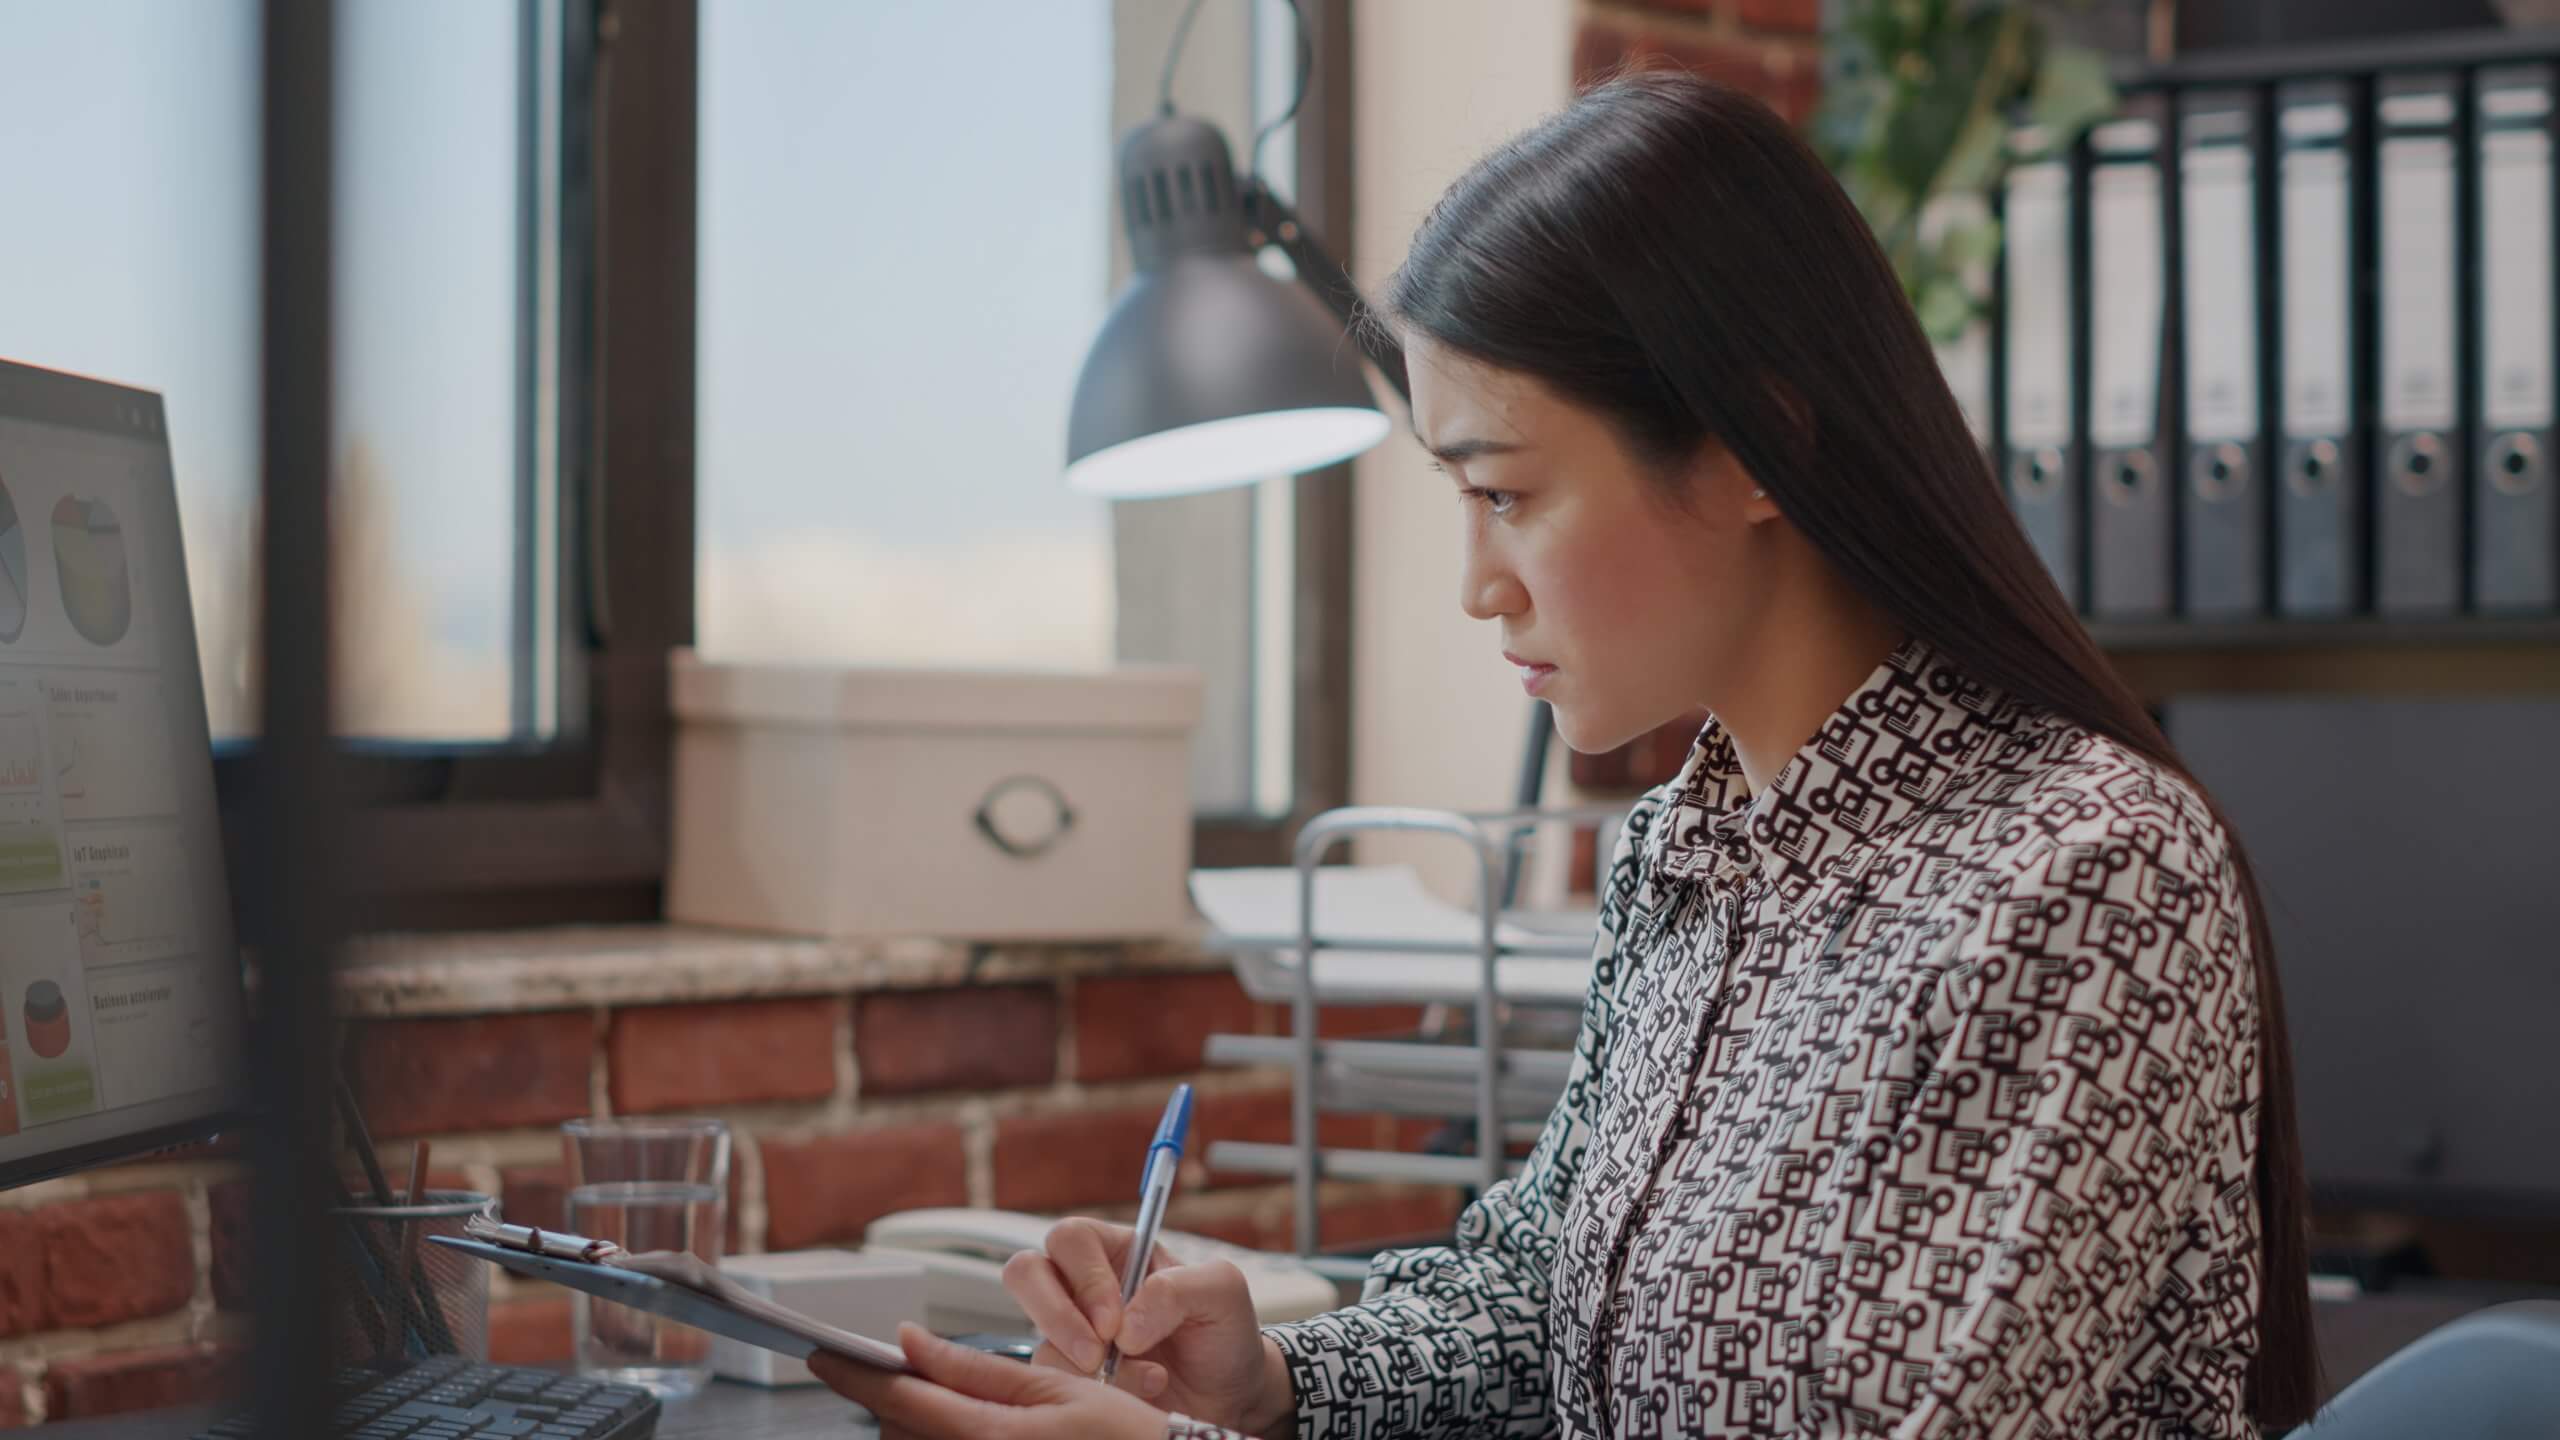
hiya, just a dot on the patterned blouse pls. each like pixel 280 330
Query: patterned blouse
pixel 1915 1096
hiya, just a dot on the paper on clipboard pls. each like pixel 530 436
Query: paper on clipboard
pixel 683 1289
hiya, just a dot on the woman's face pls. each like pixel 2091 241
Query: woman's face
pixel 1623 593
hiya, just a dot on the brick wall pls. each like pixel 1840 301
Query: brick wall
pixel 109 1300
pixel 1771 48
pixel 128 1287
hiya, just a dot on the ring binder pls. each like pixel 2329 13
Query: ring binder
pixel 2515 541
pixel 2040 448
pixel 2418 499
pixel 2131 507
pixel 2224 517
pixel 2321 501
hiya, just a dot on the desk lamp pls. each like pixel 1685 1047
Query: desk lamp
pixel 1209 372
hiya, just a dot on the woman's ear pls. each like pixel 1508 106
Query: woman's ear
pixel 1758 507
pixel 1719 479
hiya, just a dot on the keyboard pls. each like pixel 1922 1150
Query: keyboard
pixel 450 1398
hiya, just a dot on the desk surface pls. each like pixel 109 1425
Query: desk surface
pixel 726 1410
pixel 2354 1336
pixel 721 1410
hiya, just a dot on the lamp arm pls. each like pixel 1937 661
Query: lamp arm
pixel 1269 221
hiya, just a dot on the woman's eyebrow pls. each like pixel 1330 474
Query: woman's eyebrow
pixel 1457 451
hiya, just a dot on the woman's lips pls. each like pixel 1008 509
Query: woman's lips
pixel 1534 674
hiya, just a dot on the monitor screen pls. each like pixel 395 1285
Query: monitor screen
pixel 121 1015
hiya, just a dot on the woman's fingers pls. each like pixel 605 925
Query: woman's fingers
pixel 1170 1298
pixel 910 1404
pixel 1033 1280
pixel 975 1372
pixel 955 1391
pixel 1142 1378
pixel 1087 1254
pixel 1071 1292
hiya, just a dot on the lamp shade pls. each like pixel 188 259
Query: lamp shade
pixel 1208 371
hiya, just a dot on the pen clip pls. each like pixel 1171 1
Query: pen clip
pixel 534 1240
pixel 1171 1132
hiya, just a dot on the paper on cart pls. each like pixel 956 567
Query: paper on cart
pixel 1255 913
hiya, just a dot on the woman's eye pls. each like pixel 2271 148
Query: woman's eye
pixel 1497 501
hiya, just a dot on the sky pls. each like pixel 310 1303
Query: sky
pixel 903 256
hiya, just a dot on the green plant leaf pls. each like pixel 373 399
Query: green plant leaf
pixel 1934 103
pixel 1973 162
pixel 2070 93
pixel 1919 107
pixel 1945 307
pixel 1965 247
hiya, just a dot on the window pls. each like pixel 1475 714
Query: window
pixel 132 127
pixel 900 274
pixel 132 253
pixel 495 264
pixel 447 305
pixel 908 241
pixel 526 256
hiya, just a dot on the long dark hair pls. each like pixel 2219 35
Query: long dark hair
pixel 1667 252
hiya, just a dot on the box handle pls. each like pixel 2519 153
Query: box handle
pixel 1036 816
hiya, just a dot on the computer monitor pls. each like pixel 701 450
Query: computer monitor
pixel 2403 845
pixel 121 1008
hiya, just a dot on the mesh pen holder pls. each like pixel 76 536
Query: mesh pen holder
pixel 397 1299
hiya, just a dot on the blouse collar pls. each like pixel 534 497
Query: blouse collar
pixel 1883 757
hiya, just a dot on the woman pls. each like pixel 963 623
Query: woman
pixel 1933 1078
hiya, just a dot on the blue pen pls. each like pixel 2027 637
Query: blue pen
pixel 1164 1157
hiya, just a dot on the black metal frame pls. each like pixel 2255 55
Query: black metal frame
pixel 291 868
pixel 575 827
pixel 524 609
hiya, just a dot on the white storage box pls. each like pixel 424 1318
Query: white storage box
pixel 866 1294
pixel 971 805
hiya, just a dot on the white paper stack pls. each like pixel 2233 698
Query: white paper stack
pixel 1543 960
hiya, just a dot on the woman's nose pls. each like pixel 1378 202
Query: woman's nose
pixel 1488 590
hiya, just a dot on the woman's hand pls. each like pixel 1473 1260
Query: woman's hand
pixel 1188 1342
pixel 963 1394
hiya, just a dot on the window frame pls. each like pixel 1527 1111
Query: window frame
pixel 573 827
pixel 576 828
pixel 1320 698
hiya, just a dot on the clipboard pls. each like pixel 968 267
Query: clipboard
pixel 683 1289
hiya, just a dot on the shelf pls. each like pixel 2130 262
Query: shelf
pixel 2267 64
pixel 2465 656
pixel 1253 1157
pixel 2358 632
pixel 1418 1058
pixel 1408 1077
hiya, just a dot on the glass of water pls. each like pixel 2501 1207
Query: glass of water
pixel 646 1184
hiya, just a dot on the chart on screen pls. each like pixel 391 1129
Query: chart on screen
pixel 30 821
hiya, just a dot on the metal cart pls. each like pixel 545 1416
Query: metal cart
pixel 1515 980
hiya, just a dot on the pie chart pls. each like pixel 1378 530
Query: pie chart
pixel 89 558
pixel 48 1022
pixel 13 569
